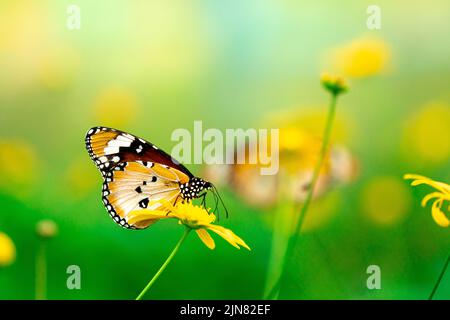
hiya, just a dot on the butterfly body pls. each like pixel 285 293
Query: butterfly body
pixel 138 175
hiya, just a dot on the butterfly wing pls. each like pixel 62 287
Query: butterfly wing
pixel 135 185
pixel 107 147
pixel 136 174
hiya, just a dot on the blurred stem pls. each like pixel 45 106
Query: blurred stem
pixel 438 282
pixel 41 271
pixel 283 215
pixel 163 267
pixel 294 237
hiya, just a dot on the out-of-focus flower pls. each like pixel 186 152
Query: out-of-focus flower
pixel 18 166
pixel 298 153
pixel 334 84
pixel 115 107
pixel 7 250
pixel 362 58
pixel 427 135
pixel 193 217
pixel 440 196
pixel 385 200
pixel 299 150
pixel 46 229
pixel 80 178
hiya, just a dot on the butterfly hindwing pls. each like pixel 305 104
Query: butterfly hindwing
pixel 135 185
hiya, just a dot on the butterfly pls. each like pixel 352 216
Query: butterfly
pixel 139 175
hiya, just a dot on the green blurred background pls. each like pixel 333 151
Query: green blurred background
pixel 149 67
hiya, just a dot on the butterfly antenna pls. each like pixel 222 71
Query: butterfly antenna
pixel 216 201
pixel 221 201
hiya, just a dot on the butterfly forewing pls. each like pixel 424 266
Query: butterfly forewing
pixel 107 147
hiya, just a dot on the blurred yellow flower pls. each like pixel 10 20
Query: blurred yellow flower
pixel 46 229
pixel 80 178
pixel 299 148
pixel 427 135
pixel 385 200
pixel 298 151
pixel 193 217
pixel 115 107
pixel 333 84
pixel 440 197
pixel 362 57
pixel 7 250
pixel 18 166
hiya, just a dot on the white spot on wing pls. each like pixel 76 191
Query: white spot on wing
pixel 111 150
pixel 119 143
pixel 124 138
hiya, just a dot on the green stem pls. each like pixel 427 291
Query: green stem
pixel 163 267
pixel 282 226
pixel 438 282
pixel 294 237
pixel 41 271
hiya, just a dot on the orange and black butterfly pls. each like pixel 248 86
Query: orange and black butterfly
pixel 137 174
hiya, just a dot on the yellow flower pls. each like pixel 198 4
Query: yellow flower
pixel 440 196
pixel 334 84
pixel 299 147
pixel 362 57
pixel 193 217
pixel 7 250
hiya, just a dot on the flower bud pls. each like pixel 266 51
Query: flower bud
pixel 46 229
pixel 333 84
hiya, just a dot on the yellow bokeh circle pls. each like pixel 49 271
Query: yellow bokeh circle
pixel 7 250
pixel 385 200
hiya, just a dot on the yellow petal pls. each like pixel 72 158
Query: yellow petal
pixel 439 216
pixel 146 214
pixel 430 196
pixel 418 180
pixel 206 238
pixel 410 176
pixel 229 236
